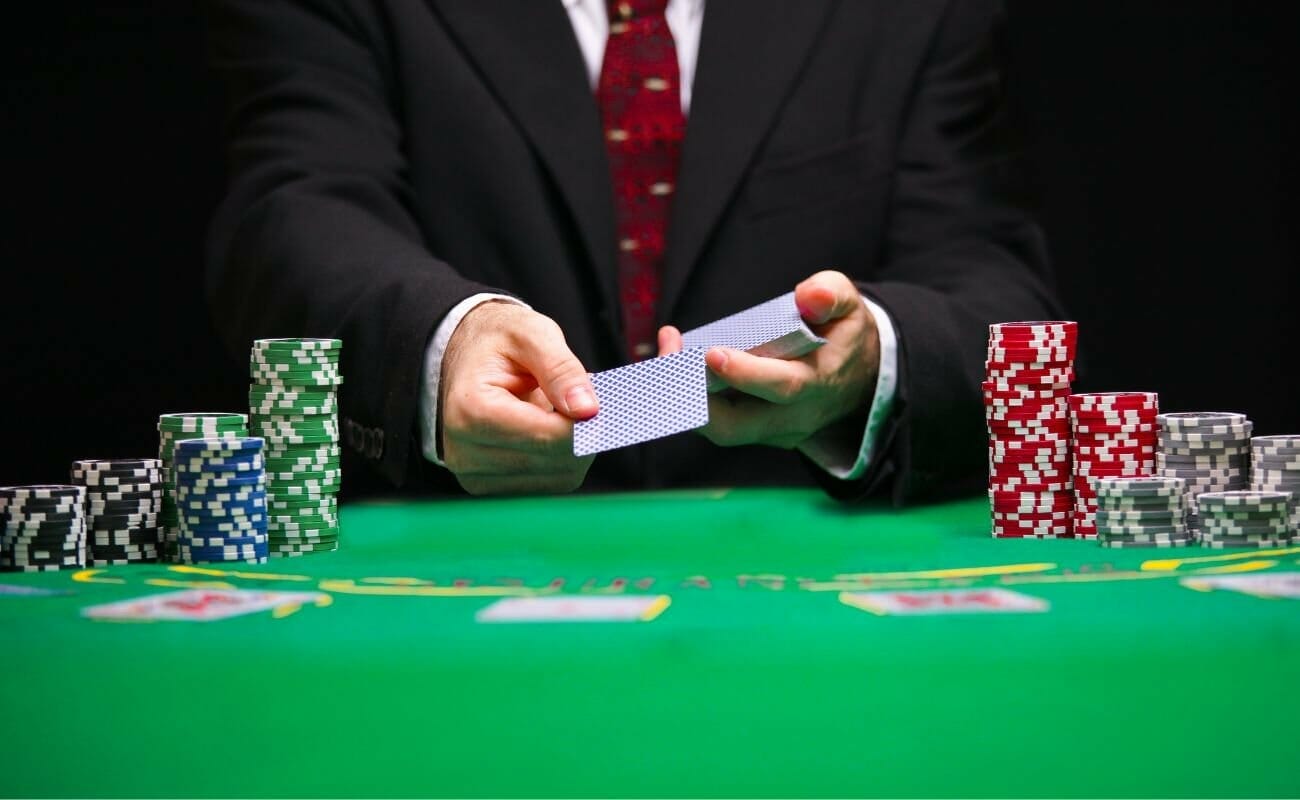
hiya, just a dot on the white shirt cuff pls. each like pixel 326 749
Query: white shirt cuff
pixel 829 449
pixel 433 367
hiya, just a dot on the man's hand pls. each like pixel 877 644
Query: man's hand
pixel 782 403
pixel 510 391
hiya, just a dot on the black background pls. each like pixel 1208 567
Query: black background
pixel 1161 137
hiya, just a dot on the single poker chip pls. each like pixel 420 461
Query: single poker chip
pixel 318 454
pixel 273 409
pixel 991 391
pixel 1244 499
pixel 222 487
pixel 1161 543
pixel 202 422
pixel 1114 400
pixel 117 466
pixel 318 533
pixel 1004 447
pixel 1040 460
pixel 17 495
pixel 1201 419
pixel 190 448
pixel 292 345
pixel 253 540
pixel 294 358
pixel 1146 484
pixel 220 464
pixel 1034 327
pixel 1215 545
pixel 1143 515
pixel 1209 433
pixel 262 368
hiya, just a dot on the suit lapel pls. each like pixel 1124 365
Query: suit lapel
pixel 750 53
pixel 526 51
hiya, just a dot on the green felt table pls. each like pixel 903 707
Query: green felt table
pixel 756 680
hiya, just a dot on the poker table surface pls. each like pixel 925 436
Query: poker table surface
pixel 758 677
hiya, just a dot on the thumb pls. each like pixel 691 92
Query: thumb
pixel 826 296
pixel 558 372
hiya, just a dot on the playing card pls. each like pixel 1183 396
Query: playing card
pixel 563 608
pixel 644 401
pixel 197 605
pixel 773 329
pixel 1268 584
pixel 944 601
pixel 14 590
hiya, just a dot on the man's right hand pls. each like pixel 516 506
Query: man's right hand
pixel 510 391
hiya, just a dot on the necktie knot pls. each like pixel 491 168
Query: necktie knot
pixel 628 10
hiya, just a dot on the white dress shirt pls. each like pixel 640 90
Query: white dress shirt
pixel 830 450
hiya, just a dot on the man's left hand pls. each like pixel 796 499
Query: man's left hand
pixel 781 403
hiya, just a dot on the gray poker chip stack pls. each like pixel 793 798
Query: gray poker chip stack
pixel 1209 450
pixel 1142 511
pixel 1244 519
pixel 1275 467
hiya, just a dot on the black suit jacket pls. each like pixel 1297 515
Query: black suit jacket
pixel 389 158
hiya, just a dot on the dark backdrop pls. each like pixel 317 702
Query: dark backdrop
pixel 1161 137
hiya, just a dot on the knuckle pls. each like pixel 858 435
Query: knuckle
pixel 791 386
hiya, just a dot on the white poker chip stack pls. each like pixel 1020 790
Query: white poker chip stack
pixel 1210 450
pixel 1244 519
pixel 1275 467
pixel 1142 511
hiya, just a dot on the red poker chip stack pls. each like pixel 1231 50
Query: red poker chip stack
pixel 1027 383
pixel 1114 436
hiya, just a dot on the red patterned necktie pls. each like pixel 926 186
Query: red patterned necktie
pixel 641 110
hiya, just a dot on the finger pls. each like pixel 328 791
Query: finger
pixel 771 379
pixel 826 296
pixel 670 340
pixel 493 416
pixel 543 352
pixel 735 421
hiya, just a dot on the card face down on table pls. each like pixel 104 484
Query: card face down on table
pixel 666 395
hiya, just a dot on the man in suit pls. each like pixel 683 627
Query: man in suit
pixel 486 199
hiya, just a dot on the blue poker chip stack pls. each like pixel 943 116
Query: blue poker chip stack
pixel 221 501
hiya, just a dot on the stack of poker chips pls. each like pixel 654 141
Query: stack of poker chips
pixel 221 500
pixel 171 429
pixel 294 406
pixel 1142 512
pixel 1244 519
pixel 1027 378
pixel 1209 449
pixel 124 498
pixel 1113 436
pixel 44 528
pixel 1275 467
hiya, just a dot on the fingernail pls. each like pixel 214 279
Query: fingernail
pixel 580 400
pixel 719 359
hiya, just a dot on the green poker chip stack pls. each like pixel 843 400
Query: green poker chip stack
pixel 173 428
pixel 293 402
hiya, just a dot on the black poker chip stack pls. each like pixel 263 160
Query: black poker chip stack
pixel 123 500
pixel 44 527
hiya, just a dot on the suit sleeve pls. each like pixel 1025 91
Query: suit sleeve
pixel 315 236
pixel 961 251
